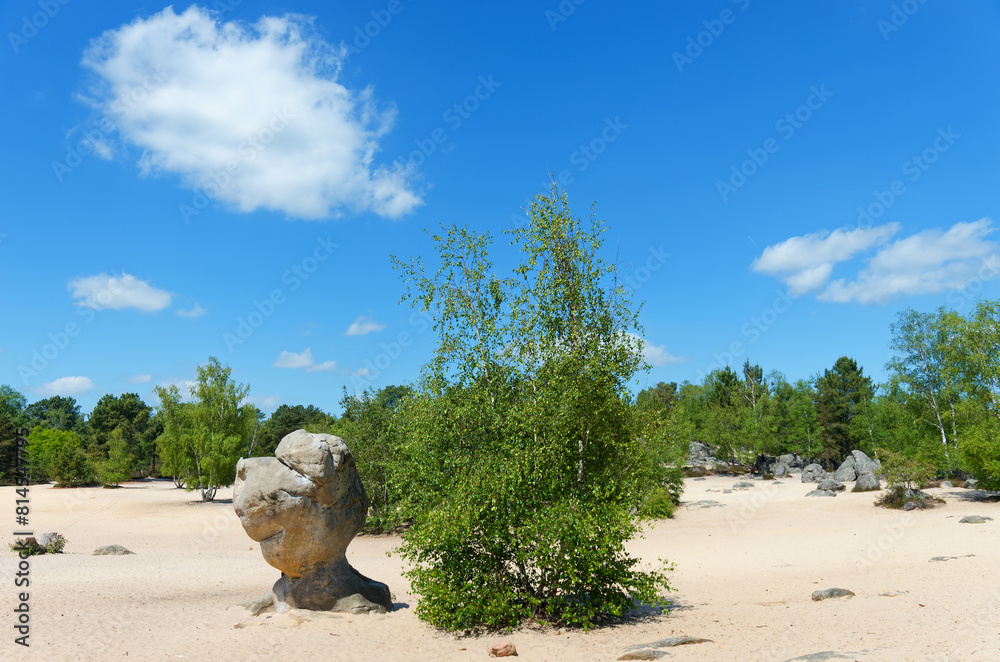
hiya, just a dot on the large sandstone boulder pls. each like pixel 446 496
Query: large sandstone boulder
pixel 867 482
pixel 846 471
pixel 864 464
pixel 304 506
pixel 813 473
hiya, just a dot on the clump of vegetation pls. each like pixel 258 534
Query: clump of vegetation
pixel 32 547
pixel 904 477
pixel 528 459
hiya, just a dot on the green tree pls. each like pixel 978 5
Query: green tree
pixel 57 455
pixel 287 419
pixel 839 392
pixel 12 417
pixel 924 368
pixel 117 468
pixel 979 360
pixel 527 455
pixel 797 430
pixel 663 396
pixel 57 413
pixel 372 426
pixel 202 441
pixel 132 419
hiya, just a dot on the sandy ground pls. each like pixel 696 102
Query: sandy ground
pixel 745 572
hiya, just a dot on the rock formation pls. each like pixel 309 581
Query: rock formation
pixel 304 506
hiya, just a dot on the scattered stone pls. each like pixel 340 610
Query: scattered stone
pixel 699 478
pixel 701 455
pixel 826 656
pixel 971 484
pixel 864 464
pixel 828 593
pixel 780 470
pixel 727 491
pixel 111 550
pixel 706 503
pixel 304 506
pixel 949 558
pixel 893 594
pixel 812 473
pixel 947 483
pixel 743 485
pixel 821 493
pixel 832 485
pixel 909 505
pixel 645 654
pixel 867 482
pixel 975 519
pixel 47 539
pixel 502 648
pixel 670 642
pixel 846 470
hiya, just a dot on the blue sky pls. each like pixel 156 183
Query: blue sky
pixel 229 180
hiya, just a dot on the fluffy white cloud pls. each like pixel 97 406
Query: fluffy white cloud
pixel 303 359
pixel 363 326
pixel 656 355
pixel 197 311
pixel 139 379
pixel 118 292
pixel 292 360
pixel 66 387
pixel 251 115
pixel 265 402
pixel 805 263
pixel 929 262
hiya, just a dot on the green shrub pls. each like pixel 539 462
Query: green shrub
pixel 526 457
pixel 31 546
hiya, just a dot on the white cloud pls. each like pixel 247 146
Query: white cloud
pixel 363 372
pixel 805 263
pixel 292 360
pixel 196 95
pixel 139 379
pixel 363 326
pixel 264 402
pixel 118 292
pixel 197 311
pixel 184 386
pixel 66 387
pixel 325 366
pixel 656 355
pixel 929 262
pixel 302 360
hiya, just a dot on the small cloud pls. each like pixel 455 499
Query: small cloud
pixel 139 379
pixel 117 293
pixel 184 386
pixel 265 403
pixel 657 355
pixel 363 372
pixel 363 326
pixel 292 360
pixel 197 311
pixel 66 386
pixel 302 360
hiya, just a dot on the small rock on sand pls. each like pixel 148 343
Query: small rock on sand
pixel 645 654
pixel 111 550
pixel 828 593
pixel 502 648
pixel 670 642
pixel 975 519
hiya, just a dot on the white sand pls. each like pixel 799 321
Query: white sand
pixel 745 574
